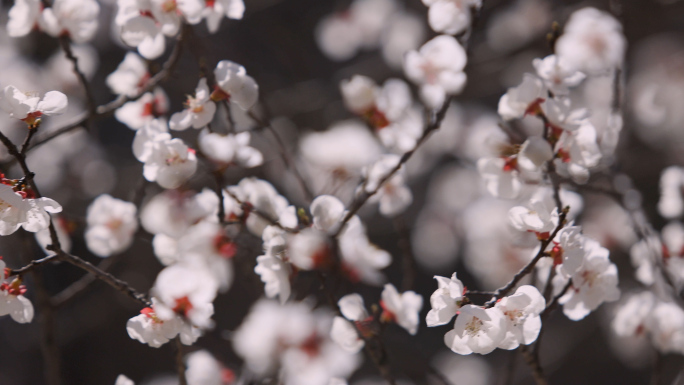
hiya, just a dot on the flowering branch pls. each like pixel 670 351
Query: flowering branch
pixel 432 124
pixel 32 265
pixel 247 208
pixel 503 291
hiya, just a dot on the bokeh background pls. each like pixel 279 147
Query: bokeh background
pixel 299 86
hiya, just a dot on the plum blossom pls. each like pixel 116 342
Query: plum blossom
pixel 148 328
pixel 111 225
pixel 204 245
pixel 560 116
pixel 185 290
pixel 501 176
pixel 632 318
pixel 537 218
pixel 535 150
pixel 76 19
pixel 29 107
pixel 521 311
pixel 522 100
pixel 12 300
pixel 438 69
pixel 150 106
pixel 594 283
pixel 262 196
pixel 225 150
pixel 272 267
pixel 235 85
pixel 557 77
pixel 199 110
pixel 173 212
pixel 204 369
pixel 476 330
pixel 130 76
pixel 344 330
pixel 577 152
pixel 451 16
pixel 380 107
pixel 592 42
pixel 23 17
pixel 394 196
pixel 18 210
pixel 671 204
pixel 215 10
pixel 665 325
pixel 568 250
pixel 361 260
pixel 445 301
pixel 309 249
pixel 169 162
pixel 401 308
pixel 294 338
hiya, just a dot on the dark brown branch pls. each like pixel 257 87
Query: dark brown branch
pixel 533 363
pixel 31 265
pixel 408 263
pixel 554 302
pixel 180 366
pixel 71 291
pixel 432 124
pixel 501 292
pixel 66 47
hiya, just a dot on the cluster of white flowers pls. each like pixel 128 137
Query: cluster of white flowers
pixel 76 19
pixel 145 23
pixel 12 300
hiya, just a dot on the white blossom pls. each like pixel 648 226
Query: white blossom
pixel 225 150
pixel 199 109
pixel 170 163
pixel 12 300
pixel 215 10
pixel 521 311
pixel 17 210
pixel 557 77
pixel 451 16
pixel 537 218
pixel 445 301
pixel 235 85
pixel 150 106
pixel 594 283
pixel 671 204
pixel 23 17
pixel 523 99
pixel 111 225
pixel 29 107
pixel 394 196
pixel 130 76
pixel 438 69
pixel 401 308
pixel 76 19
pixel 476 330
pixel 592 42
pixel 173 212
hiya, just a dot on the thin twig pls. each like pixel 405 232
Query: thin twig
pixel 501 292
pixel 432 124
pixel 64 42
pixel 31 265
pixel 180 366
pixel 408 263
pixel 533 363
pixel 248 208
pixel 77 287
pixel 285 155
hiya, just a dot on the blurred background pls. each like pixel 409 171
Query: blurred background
pixel 283 46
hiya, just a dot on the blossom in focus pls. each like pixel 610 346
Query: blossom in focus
pixel 437 67
pixel 77 19
pixel 556 75
pixel 476 330
pixel 170 162
pixel 445 301
pixel 12 300
pixel 111 225
pixel 594 283
pixel 523 99
pixel 521 311
pixel 29 107
pixel 537 218
pixel 199 110
pixel 402 309
pixel 18 210
pixel 148 328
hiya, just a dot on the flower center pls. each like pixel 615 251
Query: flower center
pixel 474 327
